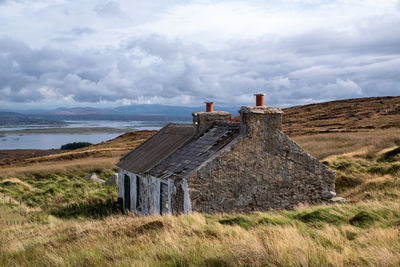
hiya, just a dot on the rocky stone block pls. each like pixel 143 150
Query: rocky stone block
pixel 326 195
pixel 93 177
pixel 338 200
pixel 113 180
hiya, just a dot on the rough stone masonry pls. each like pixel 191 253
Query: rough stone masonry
pixel 214 165
pixel 263 169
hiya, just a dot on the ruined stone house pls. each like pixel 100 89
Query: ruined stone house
pixel 214 165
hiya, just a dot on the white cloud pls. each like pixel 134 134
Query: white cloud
pixel 184 52
pixel 110 9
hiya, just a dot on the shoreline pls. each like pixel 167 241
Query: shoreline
pixel 75 130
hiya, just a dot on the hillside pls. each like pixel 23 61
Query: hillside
pixel 351 115
pixel 12 118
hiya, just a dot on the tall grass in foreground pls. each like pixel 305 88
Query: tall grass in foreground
pixel 50 216
pixel 364 234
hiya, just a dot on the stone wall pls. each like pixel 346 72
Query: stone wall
pixel 204 120
pixel 264 170
pixel 180 197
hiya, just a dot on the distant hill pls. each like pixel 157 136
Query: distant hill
pixel 167 110
pixel 360 114
pixel 8 114
pixel 139 112
pixel 78 111
pixel 8 118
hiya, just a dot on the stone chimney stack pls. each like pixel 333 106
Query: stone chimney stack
pixel 259 117
pixel 204 120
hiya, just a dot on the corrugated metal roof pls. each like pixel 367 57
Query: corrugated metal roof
pixel 175 152
pixel 196 151
pixel 158 147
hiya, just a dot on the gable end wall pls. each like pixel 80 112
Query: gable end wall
pixel 264 170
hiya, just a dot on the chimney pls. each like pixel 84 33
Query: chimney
pixel 259 100
pixel 254 119
pixel 204 120
pixel 209 106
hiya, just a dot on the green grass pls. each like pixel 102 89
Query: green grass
pixel 93 208
pixel 239 220
pixel 391 155
pixel 368 176
pixel 58 193
pixel 55 218
pixel 363 219
pixel 345 182
pixel 318 216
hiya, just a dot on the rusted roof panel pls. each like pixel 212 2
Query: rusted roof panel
pixel 195 152
pixel 158 147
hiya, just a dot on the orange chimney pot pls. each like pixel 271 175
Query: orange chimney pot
pixel 209 106
pixel 259 100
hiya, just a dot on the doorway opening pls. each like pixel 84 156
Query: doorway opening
pixel 127 193
pixel 163 198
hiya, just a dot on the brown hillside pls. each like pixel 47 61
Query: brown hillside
pixel 350 115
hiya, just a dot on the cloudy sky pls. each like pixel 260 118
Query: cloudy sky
pixel 176 52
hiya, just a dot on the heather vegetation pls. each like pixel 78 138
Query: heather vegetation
pixel 75 145
pixel 50 216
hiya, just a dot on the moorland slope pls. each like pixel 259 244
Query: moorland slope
pixel 350 115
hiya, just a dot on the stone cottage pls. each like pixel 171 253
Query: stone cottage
pixel 215 165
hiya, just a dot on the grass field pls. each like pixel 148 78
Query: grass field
pixel 50 216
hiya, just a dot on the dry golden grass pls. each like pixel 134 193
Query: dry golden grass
pixel 364 232
pixel 327 144
pixel 200 240
pixel 77 167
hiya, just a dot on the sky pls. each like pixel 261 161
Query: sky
pixel 68 53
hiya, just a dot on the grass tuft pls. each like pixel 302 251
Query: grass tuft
pixel 215 262
pixel 344 182
pixel 322 215
pixel 350 235
pixel 239 220
pixel 363 219
pixel 390 155
pixel 94 209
